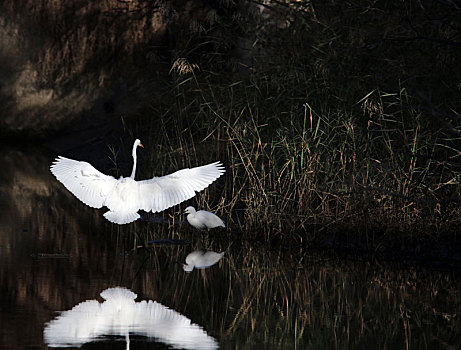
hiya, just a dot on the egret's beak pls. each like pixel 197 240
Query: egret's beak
pixel 140 145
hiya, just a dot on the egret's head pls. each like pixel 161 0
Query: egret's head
pixel 138 143
pixel 189 210
pixel 187 267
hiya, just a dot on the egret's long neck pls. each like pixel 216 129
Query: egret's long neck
pixel 133 172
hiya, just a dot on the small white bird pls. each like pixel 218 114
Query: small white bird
pixel 203 219
pixel 125 196
pixel 201 259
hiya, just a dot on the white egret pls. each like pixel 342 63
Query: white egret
pixel 125 196
pixel 203 219
pixel 120 315
pixel 201 259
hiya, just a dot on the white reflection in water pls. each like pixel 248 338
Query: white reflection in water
pixel 120 315
pixel 201 259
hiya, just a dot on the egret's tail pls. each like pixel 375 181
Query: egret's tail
pixel 118 217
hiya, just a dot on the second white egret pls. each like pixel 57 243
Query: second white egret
pixel 203 219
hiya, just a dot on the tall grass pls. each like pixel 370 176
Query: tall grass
pixel 321 132
pixel 292 168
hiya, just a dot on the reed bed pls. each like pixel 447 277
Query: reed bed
pixel 321 133
pixel 298 168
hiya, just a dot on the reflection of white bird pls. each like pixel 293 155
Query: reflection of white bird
pixel 201 259
pixel 120 315
pixel 125 196
pixel 203 219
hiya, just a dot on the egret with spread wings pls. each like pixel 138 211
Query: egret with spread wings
pixel 125 196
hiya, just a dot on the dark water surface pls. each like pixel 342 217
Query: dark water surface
pixel 56 253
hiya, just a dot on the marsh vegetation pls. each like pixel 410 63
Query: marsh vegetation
pixel 339 127
pixel 345 119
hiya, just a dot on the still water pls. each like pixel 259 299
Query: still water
pixel 57 256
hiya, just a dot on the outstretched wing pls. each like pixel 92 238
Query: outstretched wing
pixel 160 193
pixel 83 180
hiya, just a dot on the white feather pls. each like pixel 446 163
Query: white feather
pixel 125 196
pixel 160 193
pixel 83 180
